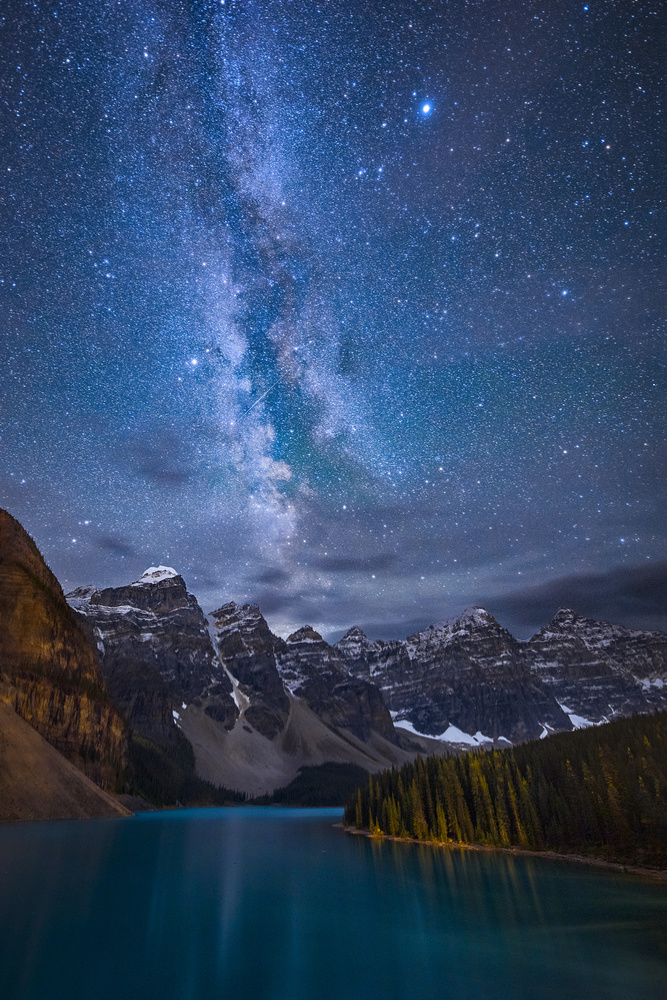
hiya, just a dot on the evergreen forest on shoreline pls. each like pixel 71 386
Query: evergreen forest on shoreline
pixel 600 792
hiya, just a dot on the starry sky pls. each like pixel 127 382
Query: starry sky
pixel 354 310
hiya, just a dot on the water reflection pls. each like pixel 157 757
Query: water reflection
pixel 276 904
pixel 455 880
pixel 520 927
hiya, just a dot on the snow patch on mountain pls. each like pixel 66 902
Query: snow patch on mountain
pixel 451 735
pixel 155 574
pixel 455 735
pixel 241 700
pixel 469 620
pixel 649 682
pixel 578 721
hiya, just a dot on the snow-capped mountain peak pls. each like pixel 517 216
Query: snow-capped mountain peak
pixel 155 574
pixel 473 623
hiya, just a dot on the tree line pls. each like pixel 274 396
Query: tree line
pixel 600 791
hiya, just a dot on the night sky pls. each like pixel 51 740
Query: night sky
pixel 353 310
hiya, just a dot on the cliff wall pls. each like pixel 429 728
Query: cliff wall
pixel 49 673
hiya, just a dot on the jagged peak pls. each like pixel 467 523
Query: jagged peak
pixel 244 619
pixel 82 593
pixel 567 618
pixel 156 574
pixel 305 634
pixel 477 615
pixel 231 611
pixel 470 617
pixel 231 607
pixel 566 613
pixel 354 634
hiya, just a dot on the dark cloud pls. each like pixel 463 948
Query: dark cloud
pixel 116 546
pixel 206 581
pixel 635 596
pixel 274 604
pixel 272 576
pixel 157 454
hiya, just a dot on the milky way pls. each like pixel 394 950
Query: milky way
pixel 354 311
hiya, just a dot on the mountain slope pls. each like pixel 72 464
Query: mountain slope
pixel 38 783
pixel 463 676
pixel 314 671
pixel 255 708
pixel 298 706
pixel 156 652
pixel 244 758
pixel 219 689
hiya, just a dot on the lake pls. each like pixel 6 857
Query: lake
pixel 276 904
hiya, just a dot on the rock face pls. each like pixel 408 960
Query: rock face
pixel 255 707
pixel 466 673
pixel 297 704
pixel 266 670
pixel 313 670
pixel 156 652
pixel 49 674
pixel 248 650
pixel 470 675
pixel 598 671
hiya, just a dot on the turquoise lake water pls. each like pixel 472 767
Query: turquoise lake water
pixel 276 904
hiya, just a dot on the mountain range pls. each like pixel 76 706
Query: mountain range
pixel 142 690
pixel 468 680
pixel 256 707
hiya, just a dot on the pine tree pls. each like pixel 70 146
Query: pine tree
pixel 442 830
pixel 419 824
pixel 359 812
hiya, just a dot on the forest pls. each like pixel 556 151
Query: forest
pixel 599 792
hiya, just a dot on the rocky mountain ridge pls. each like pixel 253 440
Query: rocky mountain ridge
pixel 468 674
pixel 253 706
pixel 156 651
pixel 256 706
pixel 312 669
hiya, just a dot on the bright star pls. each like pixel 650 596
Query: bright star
pixel 426 108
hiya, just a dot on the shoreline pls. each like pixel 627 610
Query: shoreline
pixel 652 873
